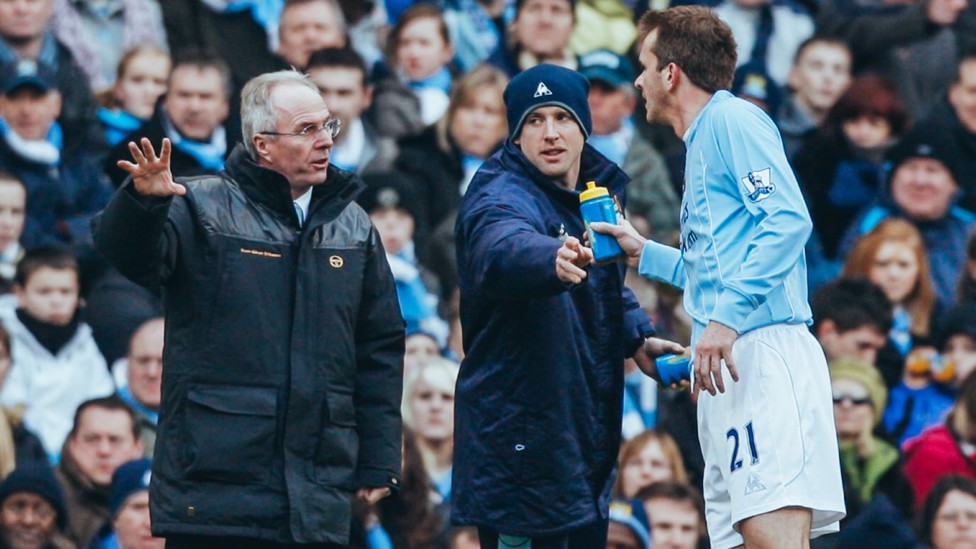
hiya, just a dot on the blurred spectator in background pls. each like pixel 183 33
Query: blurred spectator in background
pixel 56 365
pixel 13 213
pixel 394 209
pixel 18 445
pixel 954 119
pixel 893 256
pixel 420 348
pixel 913 43
pixel 99 32
pixel 603 24
pixel 650 457
pixel 851 319
pixel 957 341
pixel 820 74
pixel 428 411
pixel 948 517
pixel 64 185
pixel 25 35
pixel 540 34
pixel 104 436
pixel 142 372
pixel 407 519
pixel 441 161
pixel 871 466
pixel 612 97
pixel 967 278
pixel 308 26
pixel 677 514
pixel 192 115
pixel 141 78
pixel 477 28
pixel 412 91
pixel 32 510
pixel 944 449
pixel 243 35
pixel 341 77
pixel 774 29
pixel 628 527
pixel 842 168
pixel 922 190
pixel 129 507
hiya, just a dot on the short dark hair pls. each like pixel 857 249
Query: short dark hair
pixel 695 39
pixel 339 57
pixel 824 39
pixel 113 403
pixel 7 176
pixel 935 498
pixel 967 56
pixel 679 492
pixel 51 257
pixel 851 303
pixel 201 60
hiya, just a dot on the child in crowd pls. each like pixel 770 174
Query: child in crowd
pixel 393 208
pixel 420 52
pixel 56 363
pixel 142 76
pixel 13 208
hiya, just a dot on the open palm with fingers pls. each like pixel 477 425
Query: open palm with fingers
pixel 151 174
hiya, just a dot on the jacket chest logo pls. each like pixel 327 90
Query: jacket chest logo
pixel 336 262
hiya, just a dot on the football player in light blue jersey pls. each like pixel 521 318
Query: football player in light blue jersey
pixel 772 476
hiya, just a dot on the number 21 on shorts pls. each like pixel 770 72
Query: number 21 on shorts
pixel 733 433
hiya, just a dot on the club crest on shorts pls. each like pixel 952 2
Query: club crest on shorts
pixel 542 89
pixel 758 185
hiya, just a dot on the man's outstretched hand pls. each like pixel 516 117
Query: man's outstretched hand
pixel 151 174
pixel 630 241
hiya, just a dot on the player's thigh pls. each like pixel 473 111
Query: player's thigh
pixel 787 528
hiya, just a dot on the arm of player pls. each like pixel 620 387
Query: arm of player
pixel 652 259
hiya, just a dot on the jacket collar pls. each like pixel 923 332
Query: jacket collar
pixel 593 167
pixel 270 188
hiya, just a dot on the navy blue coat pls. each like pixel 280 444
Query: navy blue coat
pixel 539 396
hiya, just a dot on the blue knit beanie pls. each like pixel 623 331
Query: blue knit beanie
pixel 129 478
pixel 547 85
pixel 36 478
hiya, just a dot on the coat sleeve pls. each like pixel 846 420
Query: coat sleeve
pixel 379 373
pixel 139 235
pixel 637 325
pixel 506 254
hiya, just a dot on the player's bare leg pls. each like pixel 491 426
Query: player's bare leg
pixel 787 528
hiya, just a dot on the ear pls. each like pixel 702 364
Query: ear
pixel 19 293
pixel 671 76
pixel 367 97
pixel 826 328
pixel 792 77
pixel 260 143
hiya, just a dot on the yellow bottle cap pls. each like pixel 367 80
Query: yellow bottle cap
pixel 592 191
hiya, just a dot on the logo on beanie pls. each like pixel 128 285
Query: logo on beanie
pixel 542 89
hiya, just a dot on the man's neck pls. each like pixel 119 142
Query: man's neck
pixel 815 115
pixel 690 105
pixel 29 48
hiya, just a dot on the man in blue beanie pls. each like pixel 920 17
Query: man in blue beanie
pixel 540 391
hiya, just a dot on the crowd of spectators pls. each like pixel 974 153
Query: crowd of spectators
pixel 876 102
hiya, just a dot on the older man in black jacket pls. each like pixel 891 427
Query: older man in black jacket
pixel 284 340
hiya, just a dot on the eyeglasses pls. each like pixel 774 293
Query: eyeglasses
pixel 332 127
pixel 41 510
pixel 856 401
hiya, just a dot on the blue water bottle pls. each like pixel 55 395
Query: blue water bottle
pixel 596 205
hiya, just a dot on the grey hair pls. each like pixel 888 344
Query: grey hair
pixel 258 114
